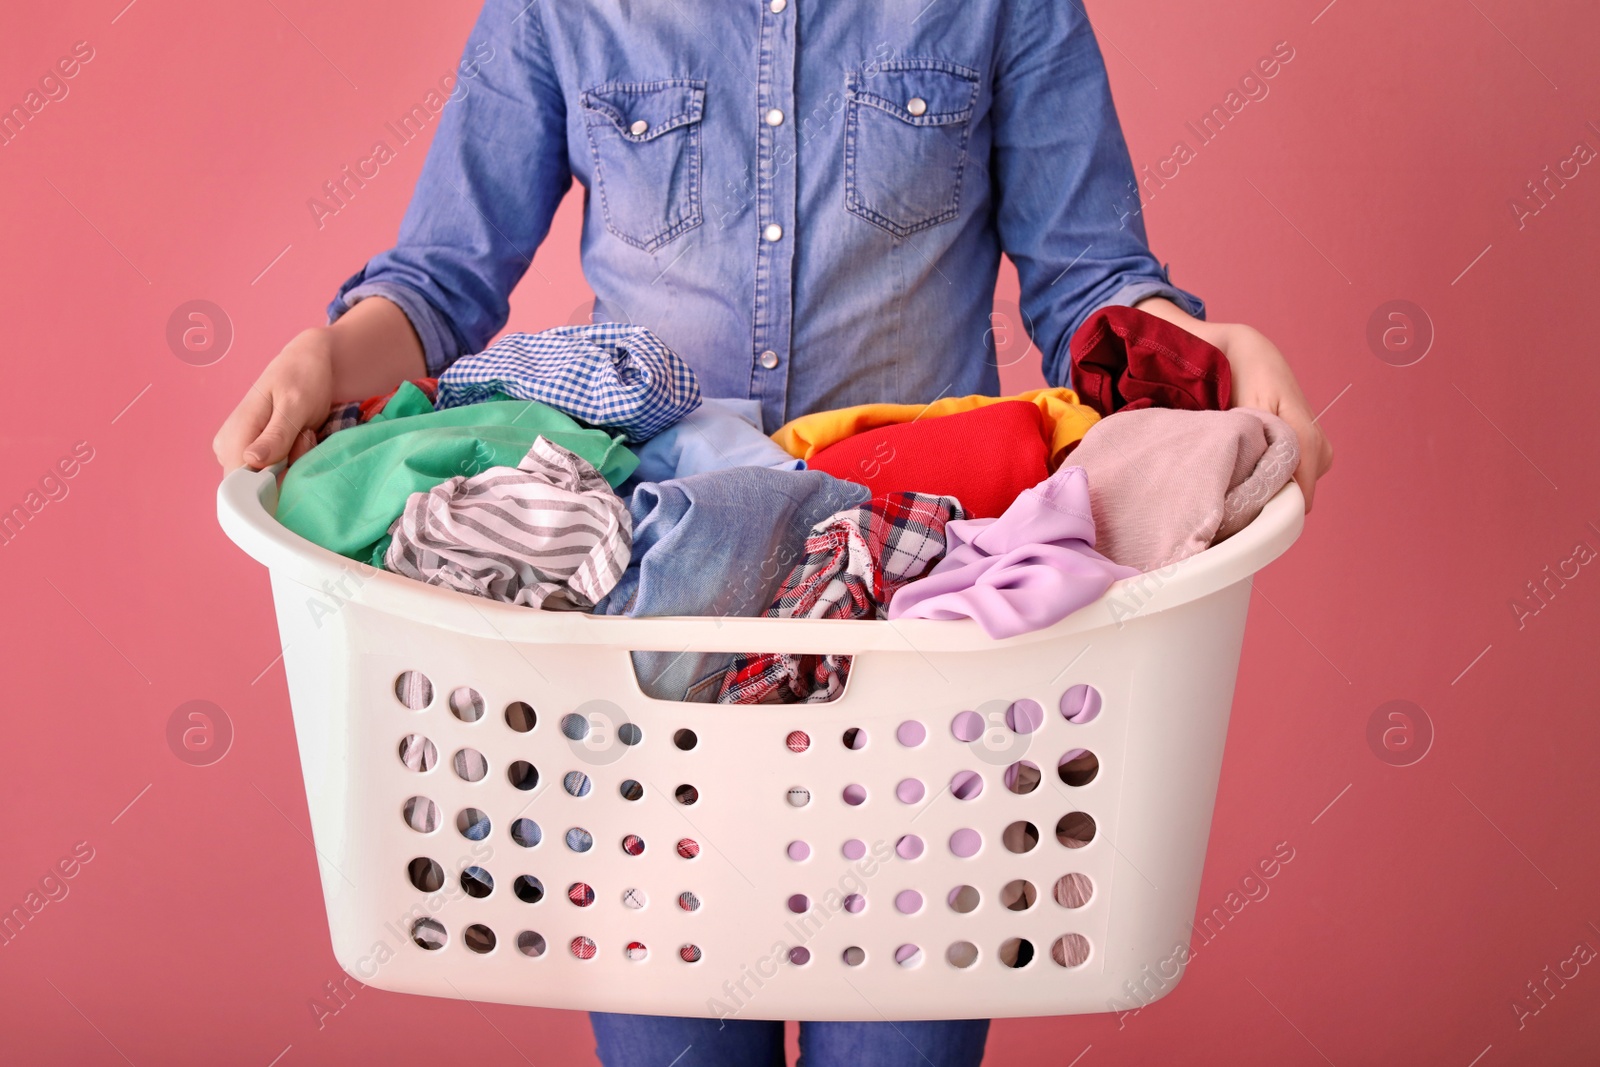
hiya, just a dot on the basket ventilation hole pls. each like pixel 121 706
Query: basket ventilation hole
pixel 583 948
pixel 798 741
pixel 418 753
pixel 523 775
pixel 799 955
pixel 855 903
pixel 531 944
pixel 1075 829
pixel 1016 952
pixel 1020 837
pixel 470 765
pixel 1078 767
pixel 1025 716
pixel 633 845
pixel 421 814
pixel 966 842
pixel 631 790
pixel 964 899
pixel 799 904
pixel 1080 704
pixel 1019 895
pixel 962 954
pixel 576 783
pixel 429 933
pixel 1023 777
pixel 526 833
pixel 855 795
pixel 528 889
pixel 688 901
pixel 686 794
pixel 477 882
pixel 479 938
pixel 574 727
pixel 911 733
pixel 473 824
pixel 634 899
pixel 466 704
pixel 581 894
pixel 685 739
pixel 854 849
pixel 909 847
pixel 855 738
pixel 689 953
pixel 1070 950
pixel 425 874
pixel 799 850
pixel 635 951
pixel 910 790
pixel 967 726
pixel 854 956
pixel 908 956
pixel 414 690
pixel 908 902
pixel 966 784
pixel 1073 890
pixel 579 839
pixel 520 716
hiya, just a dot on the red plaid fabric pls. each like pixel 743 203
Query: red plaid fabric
pixel 348 413
pixel 854 563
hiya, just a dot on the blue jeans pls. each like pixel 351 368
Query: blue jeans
pixel 664 1041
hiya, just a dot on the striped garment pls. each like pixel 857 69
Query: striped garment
pixel 546 533
pixel 855 561
pixel 609 374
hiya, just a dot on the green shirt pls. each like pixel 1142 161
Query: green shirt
pixel 345 493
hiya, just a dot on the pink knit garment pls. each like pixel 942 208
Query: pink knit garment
pixel 1165 484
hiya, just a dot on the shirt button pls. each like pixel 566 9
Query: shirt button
pixel 774 117
pixel 638 128
pixel 769 359
pixel 777 6
pixel 773 232
pixel 916 105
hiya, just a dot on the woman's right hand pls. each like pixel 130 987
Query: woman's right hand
pixel 279 417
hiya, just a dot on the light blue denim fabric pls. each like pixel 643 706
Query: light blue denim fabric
pixel 714 436
pixel 652 1041
pixel 716 544
pixel 808 204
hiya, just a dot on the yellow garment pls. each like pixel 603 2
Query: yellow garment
pixel 809 434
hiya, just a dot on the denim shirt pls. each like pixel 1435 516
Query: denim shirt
pixel 807 200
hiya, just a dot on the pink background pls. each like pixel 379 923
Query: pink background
pixel 1421 899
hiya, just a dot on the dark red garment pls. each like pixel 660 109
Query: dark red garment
pixel 1126 359
pixel 984 457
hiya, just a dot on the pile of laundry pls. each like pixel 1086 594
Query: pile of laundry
pixel 580 469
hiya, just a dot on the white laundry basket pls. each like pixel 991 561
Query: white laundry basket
pixel 858 904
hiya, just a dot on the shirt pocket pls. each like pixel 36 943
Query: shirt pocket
pixel 645 139
pixel 905 151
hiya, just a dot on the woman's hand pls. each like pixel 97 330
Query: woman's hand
pixel 370 350
pixel 1261 380
pixel 279 417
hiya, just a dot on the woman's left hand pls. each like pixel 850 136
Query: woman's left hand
pixel 1261 380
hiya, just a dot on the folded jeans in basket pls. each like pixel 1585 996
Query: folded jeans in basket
pixel 716 544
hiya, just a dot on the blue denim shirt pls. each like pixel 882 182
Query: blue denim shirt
pixel 807 200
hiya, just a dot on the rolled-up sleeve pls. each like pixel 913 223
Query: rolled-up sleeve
pixel 494 175
pixel 1068 209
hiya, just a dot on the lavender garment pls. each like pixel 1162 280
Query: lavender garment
pixel 1033 566
pixel 1166 484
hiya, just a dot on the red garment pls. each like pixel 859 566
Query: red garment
pixel 984 457
pixel 1126 359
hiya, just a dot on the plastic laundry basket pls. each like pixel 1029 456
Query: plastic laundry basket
pixel 891 854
